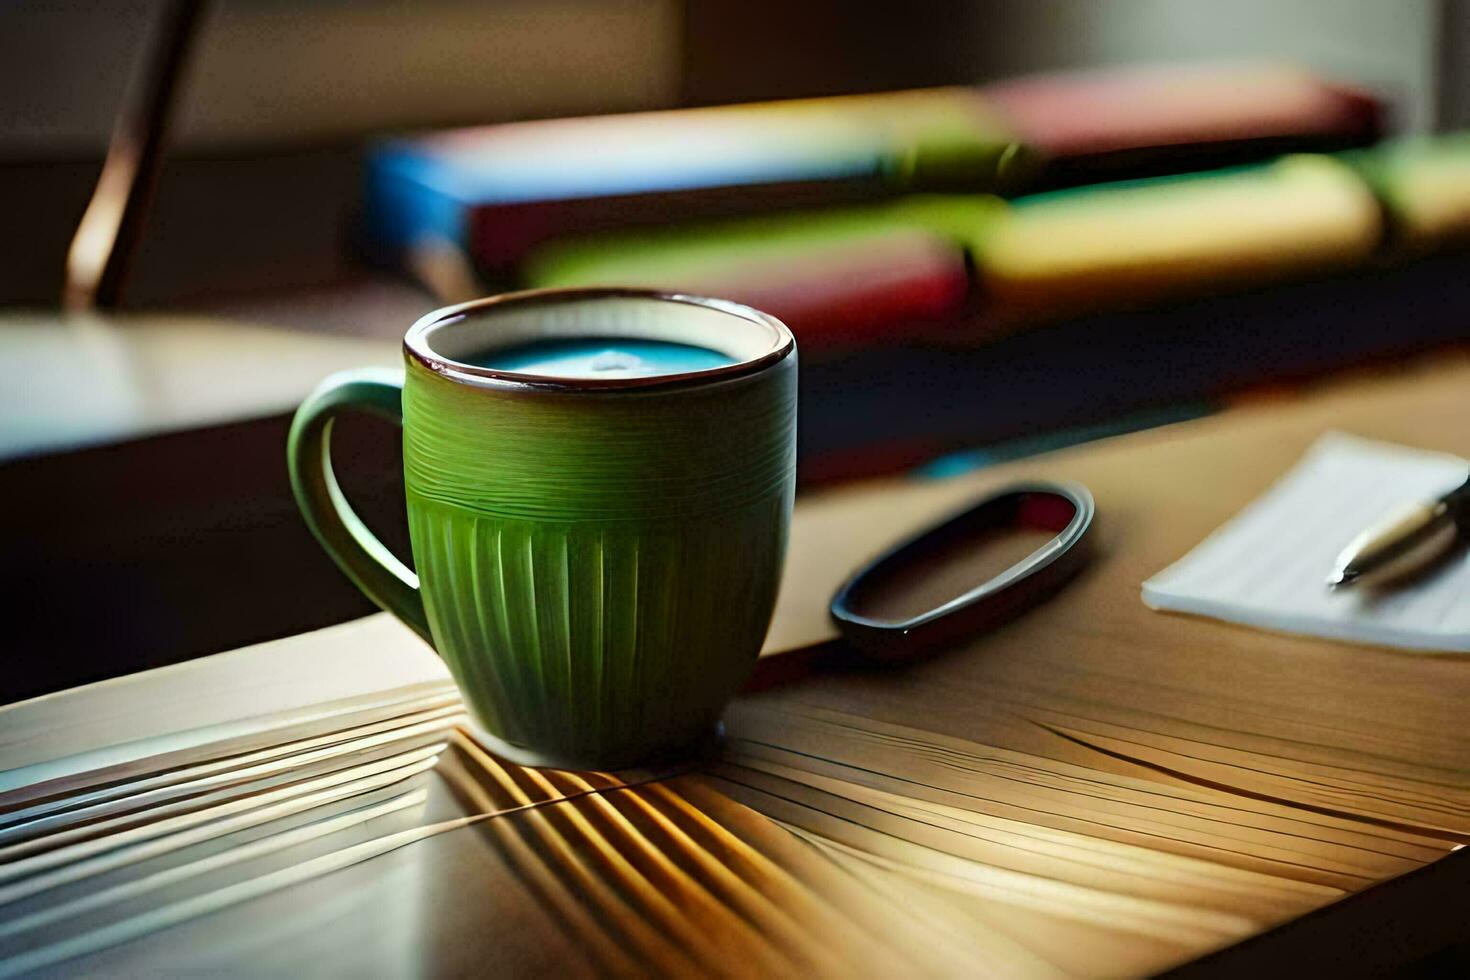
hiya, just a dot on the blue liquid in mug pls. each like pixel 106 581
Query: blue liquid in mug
pixel 601 357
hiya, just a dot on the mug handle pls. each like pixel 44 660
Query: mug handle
pixel 366 560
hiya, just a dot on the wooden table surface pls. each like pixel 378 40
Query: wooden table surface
pixel 83 379
pixel 1093 789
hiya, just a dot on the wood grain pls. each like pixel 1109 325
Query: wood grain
pixel 1094 789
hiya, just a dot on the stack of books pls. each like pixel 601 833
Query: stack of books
pixel 497 194
pixel 944 255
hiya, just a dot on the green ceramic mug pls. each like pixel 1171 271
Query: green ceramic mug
pixel 597 558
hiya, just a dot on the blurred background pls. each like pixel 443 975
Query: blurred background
pixel 1091 218
pixel 279 98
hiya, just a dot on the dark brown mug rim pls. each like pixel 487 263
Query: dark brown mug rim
pixel 415 342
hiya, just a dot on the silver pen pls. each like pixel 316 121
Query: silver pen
pixel 1405 542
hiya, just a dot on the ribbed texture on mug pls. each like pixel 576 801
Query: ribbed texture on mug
pixel 605 455
pixel 592 641
pixel 599 569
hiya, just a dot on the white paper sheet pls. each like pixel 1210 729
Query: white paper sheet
pixel 1268 565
